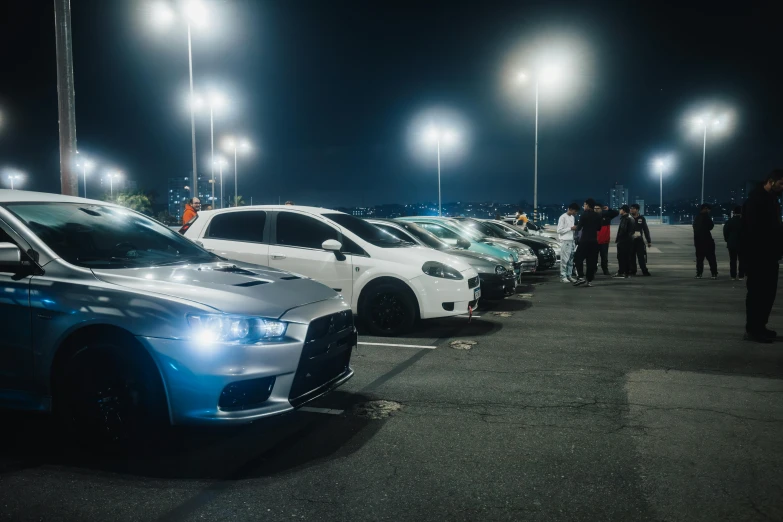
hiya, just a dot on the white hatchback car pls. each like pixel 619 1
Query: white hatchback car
pixel 390 283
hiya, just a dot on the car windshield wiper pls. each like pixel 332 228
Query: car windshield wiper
pixel 184 260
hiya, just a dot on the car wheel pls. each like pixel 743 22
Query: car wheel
pixel 388 310
pixel 110 395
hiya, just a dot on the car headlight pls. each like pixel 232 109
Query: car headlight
pixel 240 329
pixel 436 269
pixel 500 269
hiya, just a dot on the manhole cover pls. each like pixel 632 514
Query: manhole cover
pixel 502 314
pixel 462 345
pixel 375 410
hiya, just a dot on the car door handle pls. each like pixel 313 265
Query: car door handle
pixel 277 256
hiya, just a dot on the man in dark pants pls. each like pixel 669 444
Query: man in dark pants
pixel 589 226
pixel 761 246
pixel 604 235
pixel 731 233
pixel 624 241
pixel 639 251
pixel 702 240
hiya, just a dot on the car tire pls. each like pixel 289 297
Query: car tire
pixel 388 310
pixel 110 396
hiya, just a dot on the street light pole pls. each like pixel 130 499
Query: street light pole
pixel 84 175
pixel 12 182
pixel 703 161
pixel 439 200
pixel 535 165
pixel 111 187
pixel 194 191
pixel 661 200
pixel 235 174
pixel 212 145
pixel 220 166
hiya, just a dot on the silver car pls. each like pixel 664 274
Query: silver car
pixel 119 325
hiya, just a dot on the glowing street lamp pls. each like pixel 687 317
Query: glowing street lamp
pixel 112 175
pixel 703 122
pixel 194 14
pixel 14 177
pixel 547 75
pixel 216 101
pixel 236 144
pixel 86 166
pixel 662 164
pixel 449 137
pixel 220 162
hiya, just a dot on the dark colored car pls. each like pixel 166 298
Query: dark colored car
pixel 547 257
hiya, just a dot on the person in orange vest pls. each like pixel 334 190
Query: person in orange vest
pixel 192 206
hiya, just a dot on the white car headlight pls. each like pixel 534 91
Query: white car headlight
pixel 436 269
pixel 238 329
pixel 500 269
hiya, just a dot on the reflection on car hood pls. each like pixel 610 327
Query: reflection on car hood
pixel 228 287
pixel 476 258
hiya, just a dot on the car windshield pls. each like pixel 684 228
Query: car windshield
pixel 105 236
pixel 470 232
pixel 368 231
pixel 425 236
pixel 480 228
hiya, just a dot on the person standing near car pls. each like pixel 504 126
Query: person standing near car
pixel 589 226
pixel 565 234
pixel 192 206
pixel 624 242
pixel 640 233
pixel 761 246
pixel 702 240
pixel 604 235
pixel 731 233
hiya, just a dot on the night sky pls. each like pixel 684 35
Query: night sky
pixel 327 91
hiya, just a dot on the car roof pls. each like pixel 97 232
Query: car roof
pixel 27 196
pixel 310 210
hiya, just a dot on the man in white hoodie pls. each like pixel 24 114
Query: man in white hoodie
pixel 565 233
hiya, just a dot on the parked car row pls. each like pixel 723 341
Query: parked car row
pixel 117 324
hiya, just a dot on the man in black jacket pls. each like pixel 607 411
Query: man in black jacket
pixel 639 251
pixel 589 225
pixel 604 235
pixel 702 240
pixel 761 246
pixel 731 233
pixel 624 241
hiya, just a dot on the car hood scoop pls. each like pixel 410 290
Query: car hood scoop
pixel 227 287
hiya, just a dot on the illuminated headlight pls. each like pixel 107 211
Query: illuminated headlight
pixel 436 269
pixel 530 252
pixel 238 329
pixel 500 269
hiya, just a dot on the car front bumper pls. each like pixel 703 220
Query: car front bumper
pixel 439 297
pixel 222 383
pixel 497 286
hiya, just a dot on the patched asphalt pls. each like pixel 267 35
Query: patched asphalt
pixel 632 400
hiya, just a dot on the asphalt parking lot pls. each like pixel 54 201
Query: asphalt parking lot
pixel 632 400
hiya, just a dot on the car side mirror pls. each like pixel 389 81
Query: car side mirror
pixel 463 243
pixel 10 255
pixel 331 245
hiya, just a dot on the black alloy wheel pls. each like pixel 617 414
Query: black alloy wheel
pixel 388 310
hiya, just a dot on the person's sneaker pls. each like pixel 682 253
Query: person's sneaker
pixel 619 276
pixel 589 284
pixel 565 281
pixel 647 274
pixel 715 276
pixel 757 338
pixel 698 276
pixel 606 272
pixel 572 280
pixel 580 281
pixel 733 278
pixel 772 334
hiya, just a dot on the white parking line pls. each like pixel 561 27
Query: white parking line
pixel 466 315
pixel 322 410
pixel 400 345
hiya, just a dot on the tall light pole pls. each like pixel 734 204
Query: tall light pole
pixel 220 162
pixel 662 164
pixel 112 176
pixel 194 13
pixel 235 144
pixel 13 177
pixel 215 101
pixel 86 165
pixel 448 136
pixel 548 75
pixel 703 123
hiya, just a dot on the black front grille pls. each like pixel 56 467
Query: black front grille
pixel 326 355
pixel 473 282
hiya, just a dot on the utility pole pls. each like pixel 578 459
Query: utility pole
pixel 69 183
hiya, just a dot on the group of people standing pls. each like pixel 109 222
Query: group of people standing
pixel 588 239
